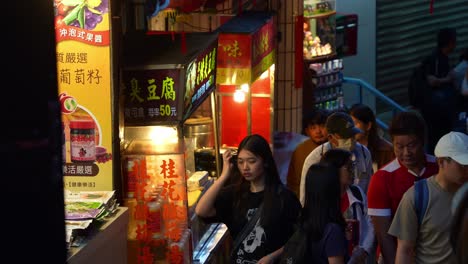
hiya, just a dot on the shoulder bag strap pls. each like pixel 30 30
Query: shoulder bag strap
pixel 421 198
pixel 247 228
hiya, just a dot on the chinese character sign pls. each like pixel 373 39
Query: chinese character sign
pixel 151 95
pixel 82 32
pixel 159 218
pixel 200 79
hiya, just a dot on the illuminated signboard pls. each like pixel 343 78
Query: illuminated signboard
pixel 151 95
pixel 84 83
pixel 159 194
pixel 200 79
pixel 245 55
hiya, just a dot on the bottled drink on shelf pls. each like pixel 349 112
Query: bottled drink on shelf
pixel 340 98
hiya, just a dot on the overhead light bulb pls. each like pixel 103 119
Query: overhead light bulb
pixel 239 96
pixel 245 88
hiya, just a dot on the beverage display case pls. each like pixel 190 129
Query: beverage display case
pixel 322 67
pixel 319 29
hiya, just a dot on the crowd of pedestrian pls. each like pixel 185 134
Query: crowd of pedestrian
pixel 354 198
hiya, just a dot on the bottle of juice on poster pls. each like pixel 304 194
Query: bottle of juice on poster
pixel 82 140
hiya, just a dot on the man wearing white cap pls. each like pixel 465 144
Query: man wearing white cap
pixel 422 221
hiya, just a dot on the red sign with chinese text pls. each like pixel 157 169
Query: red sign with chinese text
pixel 263 42
pixel 161 179
pixel 242 57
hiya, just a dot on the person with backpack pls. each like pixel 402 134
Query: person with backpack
pixel 423 219
pixel 360 232
pixel 431 88
pixel 407 131
pixel 320 234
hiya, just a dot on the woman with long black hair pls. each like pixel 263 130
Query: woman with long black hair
pixel 259 211
pixel 321 222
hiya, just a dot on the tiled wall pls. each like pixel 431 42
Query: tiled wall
pixel 288 99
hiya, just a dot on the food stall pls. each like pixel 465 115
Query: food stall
pixel 169 115
pixel 245 76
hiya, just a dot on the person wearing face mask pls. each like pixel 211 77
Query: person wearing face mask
pixel 341 134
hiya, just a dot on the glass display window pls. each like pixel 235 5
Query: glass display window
pixel 319 29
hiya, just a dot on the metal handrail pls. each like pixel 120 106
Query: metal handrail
pixel 374 91
pixel 363 84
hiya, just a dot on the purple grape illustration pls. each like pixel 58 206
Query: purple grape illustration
pixel 86 14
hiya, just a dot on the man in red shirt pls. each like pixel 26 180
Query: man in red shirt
pixel 389 183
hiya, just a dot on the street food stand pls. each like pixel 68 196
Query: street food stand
pixel 168 113
pixel 245 76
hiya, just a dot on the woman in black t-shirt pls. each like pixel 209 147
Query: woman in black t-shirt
pixel 259 188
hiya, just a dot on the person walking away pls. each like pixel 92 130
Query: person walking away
pixel 314 128
pixel 259 212
pixel 422 226
pixel 381 150
pixel 341 132
pixel 360 232
pixel 439 111
pixel 320 235
pixel 388 184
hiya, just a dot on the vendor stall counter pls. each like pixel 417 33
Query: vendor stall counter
pixel 107 245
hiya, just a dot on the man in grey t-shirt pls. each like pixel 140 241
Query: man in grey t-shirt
pixel 429 242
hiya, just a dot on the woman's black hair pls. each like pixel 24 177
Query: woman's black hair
pixel 336 157
pixel 366 115
pixel 322 200
pixel 259 146
pixel 459 229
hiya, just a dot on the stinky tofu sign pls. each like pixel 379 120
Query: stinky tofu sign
pixel 151 96
pixel 244 57
pixel 200 79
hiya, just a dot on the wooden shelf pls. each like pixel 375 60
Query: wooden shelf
pixel 322 58
pixel 319 15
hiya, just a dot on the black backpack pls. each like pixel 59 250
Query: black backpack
pixel 418 87
pixel 419 90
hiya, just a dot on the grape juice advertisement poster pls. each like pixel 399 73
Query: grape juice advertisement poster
pixel 82 31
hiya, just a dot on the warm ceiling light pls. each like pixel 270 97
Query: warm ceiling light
pixel 245 88
pixel 239 96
